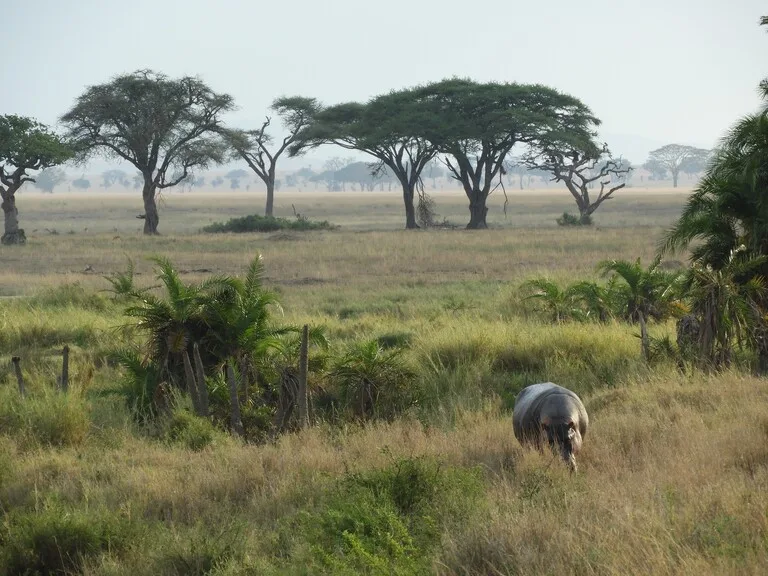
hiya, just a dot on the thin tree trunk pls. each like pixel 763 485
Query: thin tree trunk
pixel 13 234
pixel 269 210
pixel 477 211
pixel 410 210
pixel 191 382
pixel 644 341
pixel 303 374
pixel 235 421
pixel 65 369
pixel 674 179
pixel 202 387
pixel 151 218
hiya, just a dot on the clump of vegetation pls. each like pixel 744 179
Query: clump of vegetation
pixel 568 219
pixel 43 420
pixel 256 223
pixel 383 521
pixel 55 541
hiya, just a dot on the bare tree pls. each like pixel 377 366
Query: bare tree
pixel 254 146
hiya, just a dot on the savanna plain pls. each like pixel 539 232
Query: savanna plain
pixel 672 479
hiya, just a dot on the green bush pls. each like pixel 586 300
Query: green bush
pixel 206 551
pixel 51 420
pixel 256 223
pixel 57 542
pixel 193 432
pixel 386 521
pixel 570 220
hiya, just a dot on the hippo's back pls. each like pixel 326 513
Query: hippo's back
pixel 525 416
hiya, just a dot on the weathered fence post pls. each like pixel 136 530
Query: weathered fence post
pixel 236 422
pixel 65 369
pixel 19 378
pixel 191 383
pixel 201 385
pixel 303 373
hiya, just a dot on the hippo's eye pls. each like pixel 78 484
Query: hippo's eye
pixel 571 425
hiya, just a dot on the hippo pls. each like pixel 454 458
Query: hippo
pixel 551 411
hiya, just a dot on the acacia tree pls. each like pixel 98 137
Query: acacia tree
pixel 49 178
pixel 580 167
pixel 382 128
pixel 253 146
pixel 673 156
pixel 25 145
pixel 477 125
pixel 165 127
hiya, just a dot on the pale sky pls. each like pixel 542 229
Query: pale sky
pixel 655 71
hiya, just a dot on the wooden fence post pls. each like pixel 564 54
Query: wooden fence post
pixel 303 373
pixel 19 378
pixel 65 369
pixel 236 422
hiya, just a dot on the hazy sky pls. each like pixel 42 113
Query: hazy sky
pixel 655 71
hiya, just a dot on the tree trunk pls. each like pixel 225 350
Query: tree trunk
pixel 13 234
pixel 675 174
pixel 202 387
pixel 269 210
pixel 151 219
pixel 410 211
pixel 191 383
pixel 477 211
pixel 303 374
pixel 645 344
pixel 235 421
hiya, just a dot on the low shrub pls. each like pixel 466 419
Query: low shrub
pixel 570 220
pixel 58 542
pixel 256 223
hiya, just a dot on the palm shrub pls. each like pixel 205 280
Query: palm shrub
pixel 726 302
pixel 373 382
pixel 560 305
pixel 643 294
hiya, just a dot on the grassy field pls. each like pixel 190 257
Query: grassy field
pixel 673 477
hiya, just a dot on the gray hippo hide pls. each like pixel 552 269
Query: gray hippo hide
pixel 551 412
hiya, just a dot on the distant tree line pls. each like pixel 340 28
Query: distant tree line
pixel 171 129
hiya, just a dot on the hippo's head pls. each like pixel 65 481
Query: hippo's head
pixel 564 436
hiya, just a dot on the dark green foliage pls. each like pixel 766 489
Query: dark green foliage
pixel 193 432
pixel 139 384
pixel 373 382
pixel 57 542
pixel 256 223
pixel 570 220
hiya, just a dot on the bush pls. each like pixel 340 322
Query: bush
pixel 51 420
pixel 386 521
pixel 256 223
pixel 57 542
pixel 207 551
pixel 570 220
pixel 193 432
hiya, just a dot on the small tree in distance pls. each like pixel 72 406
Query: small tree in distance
pixel 49 178
pixel 253 146
pixel 673 157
